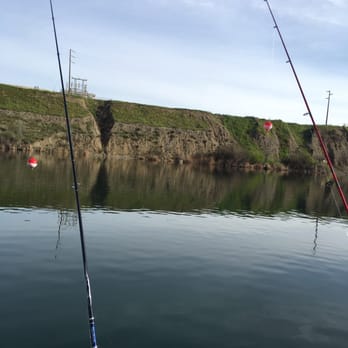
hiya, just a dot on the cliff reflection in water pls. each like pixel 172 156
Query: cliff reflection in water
pixel 121 184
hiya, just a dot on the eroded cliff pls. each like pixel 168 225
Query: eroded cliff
pixel 33 121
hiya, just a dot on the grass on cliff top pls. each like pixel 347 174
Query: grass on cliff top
pixel 158 116
pixel 154 116
pixel 39 102
pixel 43 102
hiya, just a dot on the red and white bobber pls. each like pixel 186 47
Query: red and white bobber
pixel 32 162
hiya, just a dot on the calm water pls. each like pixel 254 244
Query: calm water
pixel 177 257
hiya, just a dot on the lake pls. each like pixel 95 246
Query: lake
pixel 178 257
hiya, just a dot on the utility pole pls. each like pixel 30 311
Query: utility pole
pixel 328 106
pixel 71 56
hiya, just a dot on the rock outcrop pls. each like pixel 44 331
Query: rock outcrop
pixel 33 121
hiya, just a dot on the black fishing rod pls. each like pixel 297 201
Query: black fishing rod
pixel 92 331
pixel 316 129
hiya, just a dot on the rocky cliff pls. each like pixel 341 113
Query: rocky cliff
pixel 33 121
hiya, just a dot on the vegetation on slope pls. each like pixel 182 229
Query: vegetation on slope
pixel 154 116
pixel 246 130
pixel 39 102
pixel 28 115
pixel 16 127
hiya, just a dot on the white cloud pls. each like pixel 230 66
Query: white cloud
pixel 317 11
pixel 228 59
pixel 339 3
pixel 200 3
pixel 208 4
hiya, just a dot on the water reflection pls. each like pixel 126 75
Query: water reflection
pixel 100 189
pixel 65 219
pixel 128 185
pixel 315 236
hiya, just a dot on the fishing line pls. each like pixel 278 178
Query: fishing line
pixel 273 48
pixel 316 129
pixel 315 241
pixel 92 331
pixel 59 228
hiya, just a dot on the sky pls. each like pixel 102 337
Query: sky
pixel 222 56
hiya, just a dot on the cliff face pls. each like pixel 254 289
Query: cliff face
pixel 166 143
pixel 337 145
pixel 33 121
pixel 31 132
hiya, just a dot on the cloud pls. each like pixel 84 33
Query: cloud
pixel 339 3
pixel 200 3
pixel 313 11
pixel 205 4
pixel 216 55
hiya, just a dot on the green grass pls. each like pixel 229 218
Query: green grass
pixel 18 128
pixel 39 102
pixel 158 116
pixel 301 134
pixel 244 130
pixel 23 130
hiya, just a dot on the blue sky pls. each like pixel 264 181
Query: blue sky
pixel 221 56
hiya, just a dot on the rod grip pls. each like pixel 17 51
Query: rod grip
pixel 92 333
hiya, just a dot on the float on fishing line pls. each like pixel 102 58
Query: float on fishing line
pixel 267 126
pixel 32 162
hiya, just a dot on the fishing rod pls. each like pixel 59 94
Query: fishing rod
pixel 316 129
pixel 92 330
